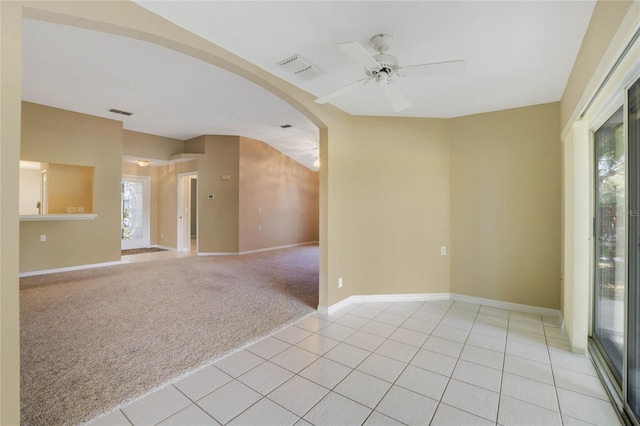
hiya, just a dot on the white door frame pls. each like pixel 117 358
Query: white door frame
pixel 184 213
pixel 146 214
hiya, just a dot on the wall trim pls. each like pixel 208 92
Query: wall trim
pixel 240 253
pixel 423 297
pixel 529 309
pixel 407 297
pixel 69 268
pixel 278 247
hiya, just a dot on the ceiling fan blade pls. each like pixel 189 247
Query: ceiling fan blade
pixel 336 93
pixel 398 99
pixel 358 53
pixel 453 68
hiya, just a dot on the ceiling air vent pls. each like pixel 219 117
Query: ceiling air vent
pixel 302 67
pixel 117 111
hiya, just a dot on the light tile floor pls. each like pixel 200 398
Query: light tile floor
pixel 437 362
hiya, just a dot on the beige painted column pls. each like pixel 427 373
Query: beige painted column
pixel 322 218
pixel 10 108
pixel 578 223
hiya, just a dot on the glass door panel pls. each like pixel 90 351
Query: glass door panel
pixel 633 327
pixel 134 213
pixel 610 241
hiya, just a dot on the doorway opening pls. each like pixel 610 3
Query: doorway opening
pixel 188 212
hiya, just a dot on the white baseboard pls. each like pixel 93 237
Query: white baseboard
pixel 328 310
pixel 240 253
pixel 423 297
pixel 528 309
pixel 277 247
pixel 411 297
pixel 69 268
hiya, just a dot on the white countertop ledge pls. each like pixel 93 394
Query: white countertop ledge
pixel 74 216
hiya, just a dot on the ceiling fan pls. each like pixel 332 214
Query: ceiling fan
pixel 384 69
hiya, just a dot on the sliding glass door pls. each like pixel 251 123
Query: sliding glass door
pixel 632 385
pixel 616 298
pixel 610 241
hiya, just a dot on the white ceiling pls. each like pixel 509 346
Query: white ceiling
pixel 517 53
pixel 170 94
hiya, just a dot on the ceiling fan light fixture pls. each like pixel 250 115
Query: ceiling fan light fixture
pixel 382 78
pixel 143 163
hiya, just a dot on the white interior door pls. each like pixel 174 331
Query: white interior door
pixel 134 212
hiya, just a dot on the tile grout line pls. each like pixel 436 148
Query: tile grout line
pixel 454 367
pixel 504 361
pixel 126 417
pixel 471 384
pixel 323 356
pixel 407 365
pixel 192 403
pixel 294 374
pixel 352 369
pixel 553 374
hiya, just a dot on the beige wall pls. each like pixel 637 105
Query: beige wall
pixel 278 202
pixel 505 205
pixel 390 178
pixel 10 105
pixel 146 146
pixel 218 218
pixel 58 136
pixel 594 57
pixel 69 186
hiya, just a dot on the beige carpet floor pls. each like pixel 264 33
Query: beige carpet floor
pixel 97 338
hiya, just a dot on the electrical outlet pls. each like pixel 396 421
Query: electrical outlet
pixel 80 209
pixel 340 282
pixel 162 235
pixel 43 238
pixel 259 227
pixel 71 209
pixel 443 250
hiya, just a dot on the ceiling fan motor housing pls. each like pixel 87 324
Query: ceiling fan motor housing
pixel 381 42
pixel 388 64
